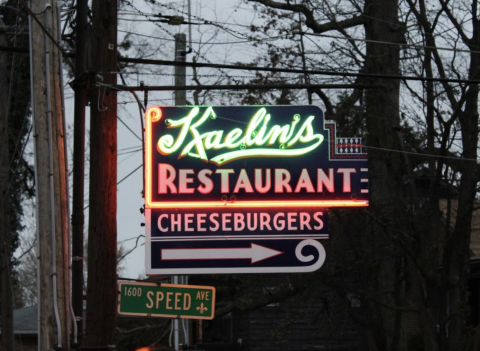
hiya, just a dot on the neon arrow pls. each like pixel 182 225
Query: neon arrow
pixel 255 253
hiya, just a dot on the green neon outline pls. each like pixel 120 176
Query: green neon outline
pixel 195 134
pixel 166 144
pixel 235 155
pixel 257 133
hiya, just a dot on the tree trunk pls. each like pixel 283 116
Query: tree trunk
pixel 385 170
pixel 102 230
pixel 6 298
pixel 458 263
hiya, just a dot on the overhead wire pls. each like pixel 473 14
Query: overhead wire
pixel 130 129
pixel 193 50
pixel 128 155
pixel 187 75
pixel 130 152
pixel 228 30
pixel 198 42
pixel 292 70
pixel 129 174
pixel 390 43
pixel 129 148
pixel 159 15
pixel 123 179
pixel 340 37
pixel 250 39
pixel 379 42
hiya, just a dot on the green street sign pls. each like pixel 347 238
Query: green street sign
pixel 166 300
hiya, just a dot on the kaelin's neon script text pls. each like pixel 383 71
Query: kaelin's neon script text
pixel 259 139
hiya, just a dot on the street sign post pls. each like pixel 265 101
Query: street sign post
pixel 166 300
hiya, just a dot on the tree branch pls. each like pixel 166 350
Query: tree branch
pixel 455 23
pixel 310 18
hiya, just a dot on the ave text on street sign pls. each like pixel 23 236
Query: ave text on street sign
pixel 166 300
pixel 245 189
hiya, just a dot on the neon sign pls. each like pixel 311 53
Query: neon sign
pixel 248 156
pixel 257 134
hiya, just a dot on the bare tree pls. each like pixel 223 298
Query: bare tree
pixel 415 249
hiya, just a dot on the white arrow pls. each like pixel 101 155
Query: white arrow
pixel 255 253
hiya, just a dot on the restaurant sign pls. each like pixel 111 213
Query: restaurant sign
pixel 253 156
pixel 245 189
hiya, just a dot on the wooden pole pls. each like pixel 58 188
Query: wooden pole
pixel 102 228
pixel 53 275
pixel 78 217
pixel 180 100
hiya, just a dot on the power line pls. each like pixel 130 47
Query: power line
pixel 198 18
pixel 166 101
pixel 126 126
pixel 152 20
pixel 248 40
pixel 388 43
pixel 421 155
pixel 187 75
pixel 293 70
pixel 129 174
pixel 252 39
pixel 130 147
pixel 230 31
pixel 241 86
pixel 130 152
pixel 191 49
pixel 214 23
pixel 337 37
pixel 121 180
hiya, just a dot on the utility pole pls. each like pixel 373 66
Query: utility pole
pixel 180 100
pixel 102 228
pixel 6 296
pixel 78 217
pixel 53 272
pixel 180 56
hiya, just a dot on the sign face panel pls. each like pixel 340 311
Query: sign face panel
pixel 245 189
pixel 230 240
pixel 166 300
pixel 250 156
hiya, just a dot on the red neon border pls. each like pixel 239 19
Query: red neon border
pixel 154 114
